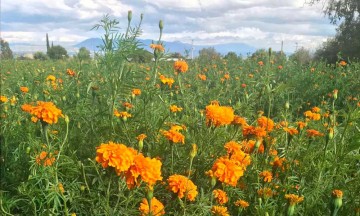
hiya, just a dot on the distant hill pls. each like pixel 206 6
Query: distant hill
pixel 177 46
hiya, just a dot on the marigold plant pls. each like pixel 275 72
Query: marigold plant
pixel 182 186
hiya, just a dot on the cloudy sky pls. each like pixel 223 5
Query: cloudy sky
pixel 259 23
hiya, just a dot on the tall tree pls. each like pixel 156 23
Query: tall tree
pixel 57 52
pixel 6 52
pixel 47 44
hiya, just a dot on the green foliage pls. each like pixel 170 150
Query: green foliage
pixel 57 52
pixel 208 55
pixel 301 56
pixel 90 93
pixel 40 56
pixel 6 52
pixel 84 54
pixel 141 56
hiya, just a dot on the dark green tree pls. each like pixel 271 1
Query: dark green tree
pixel 301 56
pixel 84 54
pixel 231 56
pixel 208 54
pixel 40 56
pixel 6 52
pixel 47 43
pixel 57 52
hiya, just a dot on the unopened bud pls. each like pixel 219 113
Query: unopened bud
pixel 161 25
pixel 129 16
pixel 213 181
pixel 67 120
pixel 193 151
pixel 287 105
pixel 331 133
pixel 335 94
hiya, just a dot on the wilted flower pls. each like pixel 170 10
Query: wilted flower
pixel 242 203
pixel 266 175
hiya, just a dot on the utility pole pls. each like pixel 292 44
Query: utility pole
pixel 282 46
pixel 192 49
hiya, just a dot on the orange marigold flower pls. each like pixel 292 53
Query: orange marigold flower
pixel 174 135
pixel 115 155
pixel 232 147
pixel 301 125
pixel 266 123
pixel 156 209
pixel 220 196
pixel 42 155
pixel 248 146
pixel 202 77
pixel 267 175
pixel 242 203
pixel 127 105
pixel 278 162
pixel 315 109
pixel 219 115
pixel 182 186
pixel 219 211
pixel 144 168
pixel 294 199
pixel 227 76
pixel 240 121
pixel 158 47
pixel 261 63
pixel 141 137
pixel 337 193
pixel 70 72
pixel 342 63
pixel 313 133
pixel 24 89
pixel 313 116
pixel 265 192
pixel 174 108
pixel 136 92
pixel 3 99
pixel 258 132
pixel 181 66
pixel 227 171
pixel 45 111
pixel 291 131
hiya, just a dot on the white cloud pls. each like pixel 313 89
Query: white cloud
pixel 257 23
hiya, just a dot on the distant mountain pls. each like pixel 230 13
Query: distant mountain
pixel 177 46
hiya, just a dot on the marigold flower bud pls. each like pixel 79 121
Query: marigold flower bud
pixel 193 151
pixel 129 16
pixel 161 25
pixel 67 120
pixel 287 105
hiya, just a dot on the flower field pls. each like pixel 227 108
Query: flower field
pixel 258 136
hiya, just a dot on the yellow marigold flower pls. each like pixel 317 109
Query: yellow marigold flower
pixel 182 186
pixel 219 115
pixel 122 114
pixel 174 135
pixel 265 192
pixel 337 193
pixel 45 111
pixel 219 211
pixel 156 209
pixel 227 171
pixel 144 168
pixel 115 155
pixel 3 99
pixel 174 108
pixel 294 199
pixel 24 89
pixel 291 131
pixel 267 175
pixel 166 81
pixel 61 188
pixel 266 123
pixel 220 196
pixel 13 100
pixel 311 115
pixel 242 203
pixel 158 47
pixel 51 78
pixel 313 133
pixel 181 66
